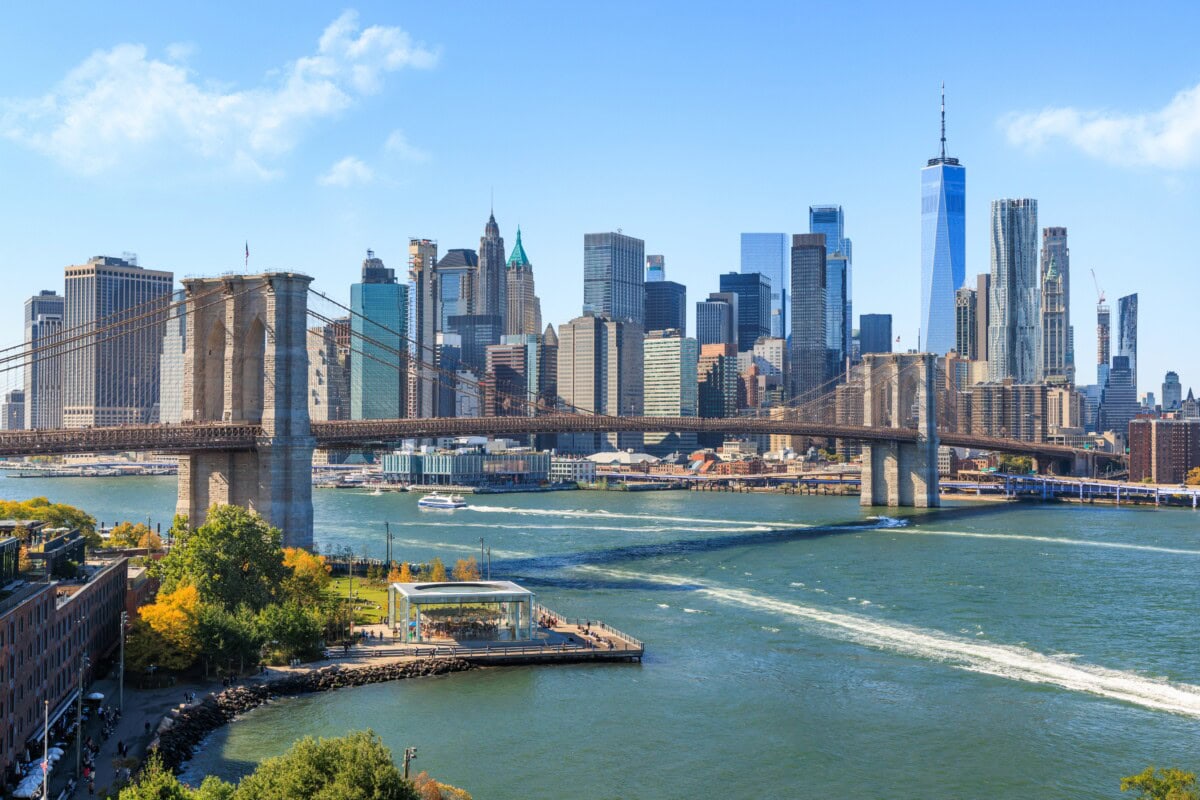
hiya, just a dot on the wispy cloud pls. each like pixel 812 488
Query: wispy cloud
pixel 1168 137
pixel 350 171
pixel 121 104
pixel 398 145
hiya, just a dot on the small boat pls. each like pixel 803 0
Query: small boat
pixel 436 500
pixel 377 493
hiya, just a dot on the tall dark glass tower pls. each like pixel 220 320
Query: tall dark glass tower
pixel 666 301
pixel 753 291
pixel 943 244
pixel 491 286
pixel 1127 310
pixel 808 354
pixel 613 280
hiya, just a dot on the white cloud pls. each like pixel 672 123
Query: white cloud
pixel 1169 137
pixel 350 171
pixel 122 104
pixel 397 143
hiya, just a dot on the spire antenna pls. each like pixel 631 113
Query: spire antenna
pixel 943 120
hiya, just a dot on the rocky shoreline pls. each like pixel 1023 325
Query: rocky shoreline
pixel 182 730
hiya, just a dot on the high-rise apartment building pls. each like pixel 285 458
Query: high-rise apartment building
pixel 116 380
pixel 422 327
pixel 524 316
pixel 1103 342
pixel 1061 342
pixel 1172 392
pixel 717 319
pixel 966 324
pixel 768 254
pixel 666 301
pixel 1163 450
pixel 491 284
pixel 43 367
pixel 613 280
pixel 1015 292
pixel 1054 349
pixel 378 328
pixel 1127 314
pixel 171 363
pixel 808 358
pixel 753 292
pixel 655 269
pixel 456 274
pixel 670 388
pixel 943 245
pixel 875 333
pixel 600 367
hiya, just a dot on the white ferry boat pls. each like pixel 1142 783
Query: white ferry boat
pixel 436 500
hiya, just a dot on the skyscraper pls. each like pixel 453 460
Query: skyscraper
pixel 456 273
pixel 670 388
pixel 983 314
pixel 171 364
pixel 655 269
pixel 1015 292
pixel 875 333
pixel 422 329
pixel 524 308
pixel 1053 364
pixel 378 327
pixel 717 393
pixel 1127 314
pixel 965 323
pixel 943 244
pixel 839 283
pixel 600 371
pixel 1118 401
pixel 808 358
pixel 613 281
pixel 115 381
pixel 1054 248
pixel 768 254
pixel 12 410
pixel 666 301
pixel 491 285
pixel 753 292
pixel 717 319
pixel 43 369
pixel 1172 392
pixel 1103 342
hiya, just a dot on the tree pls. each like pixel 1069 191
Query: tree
pixel 309 576
pixel 156 782
pixel 127 534
pixel 228 636
pixel 174 617
pixel 56 515
pixel 429 789
pixel 406 575
pixel 235 558
pixel 1018 465
pixel 1162 784
pixel 146 647
pixel 437 571
pixel 1193 477
pixel 151 541
pixel 354 766
pixel 291 629
pixel 466 569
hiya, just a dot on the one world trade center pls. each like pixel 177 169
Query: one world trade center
pixel 943 245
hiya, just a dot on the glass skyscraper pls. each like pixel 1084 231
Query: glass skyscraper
pixel 808 354
pixel 613 276
pixel 770 254
pixel 839 303
pixel 378 382
pixel 1127 307
pixel 1014 317
pixel 456 284
pixel 753 292
pixel 943 245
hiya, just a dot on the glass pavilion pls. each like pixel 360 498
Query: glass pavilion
pixel 479 611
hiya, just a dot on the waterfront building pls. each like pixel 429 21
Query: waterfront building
pixel 943 244
pixel 422 327
pixel 1172 392
pixel 476 332
pixel 717 319
pixel 613 279
pixel 491 285
pixel 966 323
pixel 768 254
pixel 524 315
pixel 171 363
pixel 1015 292
pixel 600 370
pixel 670 388
pixel 378 327
pixel 1103 342
pixel 1127 314
pixel 572 469
pixel 655 270
pixel 1163 450
pixel 12 410
pixel 43 367
pixel 839 306
pixel 808 357
pixel 468 465
pixel 456 274
pixel 1118 400
pixel 328 374
pixel 498 611
pixel 1058 345
pixel 115 380
pixel 874 333
pixel 666 306
pixel 753 291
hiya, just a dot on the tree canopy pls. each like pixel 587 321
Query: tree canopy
pixel 56 515
pixel 1162 784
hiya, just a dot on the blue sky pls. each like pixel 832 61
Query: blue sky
pixel 317 131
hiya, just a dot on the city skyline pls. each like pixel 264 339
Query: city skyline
pixel 181 225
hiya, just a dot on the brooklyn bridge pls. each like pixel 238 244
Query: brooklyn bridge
pixel 247 438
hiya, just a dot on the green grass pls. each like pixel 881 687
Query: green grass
pixel 366 596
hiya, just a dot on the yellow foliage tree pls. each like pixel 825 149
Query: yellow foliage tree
pixel 309 574
pixel 1193 476
pixel 24 562
pixel 173 616
pixel 406 575
pixel 466 569
pixel 127 534
pixel 151 541
pixel 437 571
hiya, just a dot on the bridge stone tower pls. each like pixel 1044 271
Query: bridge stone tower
pixel 247 363
pixel 898 392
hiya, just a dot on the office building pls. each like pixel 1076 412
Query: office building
pixel 449 361
pixel 943 245
pixel 716 319
pixel 422 327
pixel 1163 450
pixel 506 381
pixel 769 356
pixel 1172 392
pixel 1015 292
pixel 328 374
pixel 476 332
pixel 839 310
pixel 966 324
pixel 456 274
pixel 1118 400
pixel 875 333
pixel 613 279
pixel 808 358
pixel 670 388
pixel 1062 343
pixel 548 379
pixel 753 291
pixel 666 304
pixel 491 283
pixel 1127 314
pixel 43 367
pixel 717 393
pixel 115 381
pixel 983 315
pixel 600 367
pixel 768 254
pixel 655 269
pixel 171 362
pixel 524 315
pixel 12 410
pixel 378 328
pixel 1053 352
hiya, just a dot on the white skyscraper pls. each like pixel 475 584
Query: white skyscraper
pixel 1015 301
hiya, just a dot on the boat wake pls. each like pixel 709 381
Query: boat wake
pixel 756 528
pixel 612 515
pixel 1004 661
pixel 1024 537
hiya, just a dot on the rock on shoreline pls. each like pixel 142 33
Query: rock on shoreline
pixel 182 732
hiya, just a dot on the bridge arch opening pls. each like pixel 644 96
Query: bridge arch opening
pixel 212 390
pixel 253 378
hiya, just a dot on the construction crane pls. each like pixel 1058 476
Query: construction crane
pixel 1099 291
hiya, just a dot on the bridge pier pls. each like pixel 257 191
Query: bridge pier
pixel 898 392
pixel 247 362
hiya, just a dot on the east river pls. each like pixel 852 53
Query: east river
pixel 796 648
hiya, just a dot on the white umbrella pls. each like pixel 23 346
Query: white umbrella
pixel 95 696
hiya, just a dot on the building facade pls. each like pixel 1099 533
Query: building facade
pixel 943 245
pixel 43 368
pixel 422 328
pixel 753 292
pixel 1163 450
pixel 839 307
pixel 613 279
pixel 1054 351
pixel 12 410
pixel 524 316
pixel 1015 299
pixel 1172 392
pixel 808 357
pixel 491 285
pixel 966 323
pixel 875 333
pixel 656 268
pixel 378 328
pixel 1127 314
pixel 769 254
pixel 456 274
pixel 670 388
pixel 1062 344
pixel 717 319
pixel 600 365
pixel 1118 398
pixel 666 306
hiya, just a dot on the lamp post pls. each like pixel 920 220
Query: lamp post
pixel 83 664
pixel 121 672
pixel 409 754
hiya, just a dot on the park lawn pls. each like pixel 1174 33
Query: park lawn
pixel 370 598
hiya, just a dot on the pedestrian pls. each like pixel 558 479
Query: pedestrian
pixel 120 748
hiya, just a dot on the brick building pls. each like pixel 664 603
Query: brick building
pixel 1163 450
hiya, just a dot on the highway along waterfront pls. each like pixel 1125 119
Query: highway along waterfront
pixel 795 647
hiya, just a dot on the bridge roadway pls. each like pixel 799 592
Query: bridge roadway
pixel 225 436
